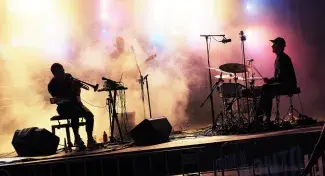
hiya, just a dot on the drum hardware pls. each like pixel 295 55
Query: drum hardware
pixel 236 92
pixel 230 77
pixel 235 68
pixel 243 39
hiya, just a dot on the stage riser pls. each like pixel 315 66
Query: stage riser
pixel 278 154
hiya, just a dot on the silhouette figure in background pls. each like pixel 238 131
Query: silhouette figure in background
pixel 67 91
pixel 120 48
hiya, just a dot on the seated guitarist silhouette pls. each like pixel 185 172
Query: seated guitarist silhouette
pixel 67 93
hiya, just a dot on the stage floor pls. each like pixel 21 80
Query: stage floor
pixel 183 140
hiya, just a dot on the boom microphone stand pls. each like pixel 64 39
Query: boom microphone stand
pixel 143 80
pixel 207 37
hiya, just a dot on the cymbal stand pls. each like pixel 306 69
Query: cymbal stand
pixel 237 98
pixel 253 74
pixel 243 39
pixel 207 38
pixel 252 88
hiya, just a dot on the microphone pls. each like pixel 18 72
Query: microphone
pixel 225 40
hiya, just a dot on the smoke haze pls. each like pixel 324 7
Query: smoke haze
pixel 83 39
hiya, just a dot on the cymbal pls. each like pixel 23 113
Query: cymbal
pixel 217 69
pixel 229 77
pixel 234 68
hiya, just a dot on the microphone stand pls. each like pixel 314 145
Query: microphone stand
pixel 143 80
pixel 243 39
pixel 207 37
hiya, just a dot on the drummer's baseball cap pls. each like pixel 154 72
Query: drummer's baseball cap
pixel 280 41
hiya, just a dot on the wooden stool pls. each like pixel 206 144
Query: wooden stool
pixel 66 126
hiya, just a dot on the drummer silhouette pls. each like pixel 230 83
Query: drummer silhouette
pixel 283 81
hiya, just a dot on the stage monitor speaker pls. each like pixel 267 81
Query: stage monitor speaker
pixel 152 131
pixel 35 142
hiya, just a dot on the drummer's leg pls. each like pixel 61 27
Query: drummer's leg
pixel 265 103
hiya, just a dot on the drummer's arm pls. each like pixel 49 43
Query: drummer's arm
pixel 272 80
pixel 269 80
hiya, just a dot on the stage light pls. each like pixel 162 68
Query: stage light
pixel 253 8
pixel 104 16
pixel 249 7
pixel 180 20
pixel 104 10
pixel 157 39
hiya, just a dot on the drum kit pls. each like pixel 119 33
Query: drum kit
pixel 238 101
pixel 237 90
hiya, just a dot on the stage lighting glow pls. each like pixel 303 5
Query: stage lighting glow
pixel 157 39
pixel 37 24
pixel 181 18
pixel 253 8
pixel 253 36
pixel 104 10
pixel 30 7
pixel 249 7
pixel 104 31
pixel 104 16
